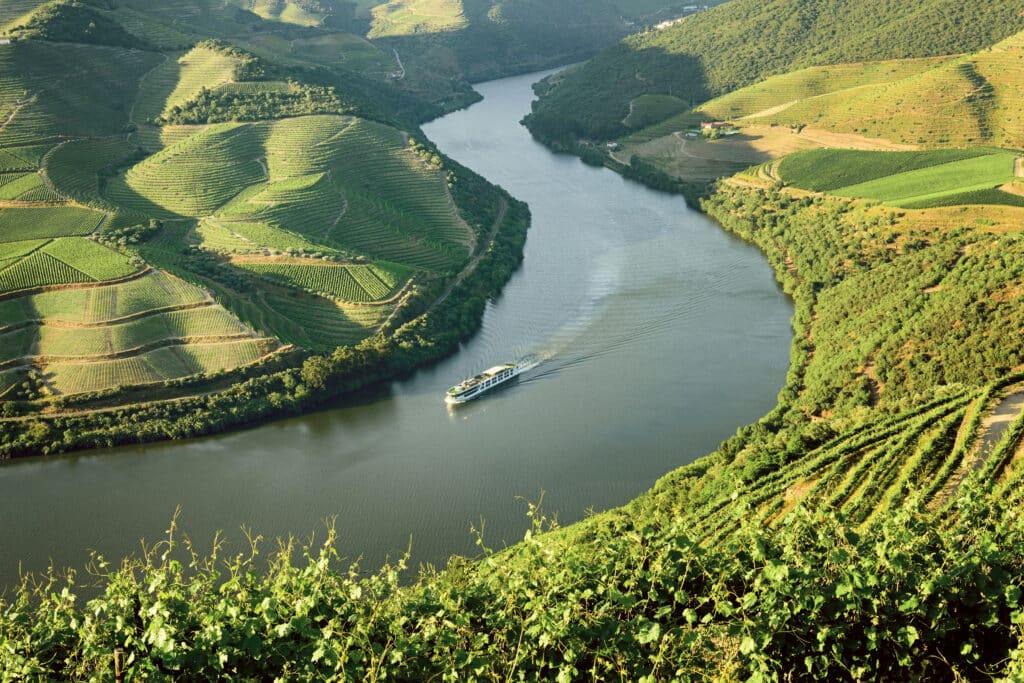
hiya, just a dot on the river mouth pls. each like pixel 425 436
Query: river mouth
pixel 659 335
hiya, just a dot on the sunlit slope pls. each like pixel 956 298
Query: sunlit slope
pixel 744 41
pixel 962 101
pixel 404 17
pixel 14 12
pixel 147 329
pixel 338 181
pixel 789 89
pixel 178 80
pixel 195 176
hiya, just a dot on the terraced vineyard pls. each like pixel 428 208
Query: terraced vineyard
pixel 49 90
pixel 26 187
pixel 148 329
pixel 13 11
pixel 348 283
pixel 782 92
pixel 37 270
pixel 193 177
pixel 176 81
pixel 73 167
pixel 98 190
pixel 397 17
pixel 35 223
pixel 37 263
pixel 245 237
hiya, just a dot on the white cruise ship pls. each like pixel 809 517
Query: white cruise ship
pixel 471 388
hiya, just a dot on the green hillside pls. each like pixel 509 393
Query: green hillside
pixel 742 42
pixel 959 101
pixel 317 231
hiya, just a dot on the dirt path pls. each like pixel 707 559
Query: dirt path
pixel 991 432
pixel 14 112
pixel 995 425
pixel 400 74
pixel 1018 167
pixel 481 251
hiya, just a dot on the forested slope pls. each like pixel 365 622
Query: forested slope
pixel 744 41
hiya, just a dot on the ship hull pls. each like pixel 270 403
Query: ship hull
pixel 483 388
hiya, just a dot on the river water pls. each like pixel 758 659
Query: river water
pixel 660 335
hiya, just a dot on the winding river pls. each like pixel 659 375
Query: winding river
pixel 660 335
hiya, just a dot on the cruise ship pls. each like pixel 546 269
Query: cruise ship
pixel 471 388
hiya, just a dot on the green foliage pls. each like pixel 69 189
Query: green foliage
pixel 219 106
pixel 698 58
pixel 909 599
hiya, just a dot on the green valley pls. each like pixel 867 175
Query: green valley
pixel 236 216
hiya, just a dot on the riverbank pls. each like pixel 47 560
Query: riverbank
pixel 617 280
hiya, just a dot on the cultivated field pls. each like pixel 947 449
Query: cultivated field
pixel 347 283
pixel 906 179
pixel 63 89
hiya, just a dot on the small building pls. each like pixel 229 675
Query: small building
pixel 614 146
pixel 713 125
pixel 4 40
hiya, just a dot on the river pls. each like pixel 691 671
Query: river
pixel 660 335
